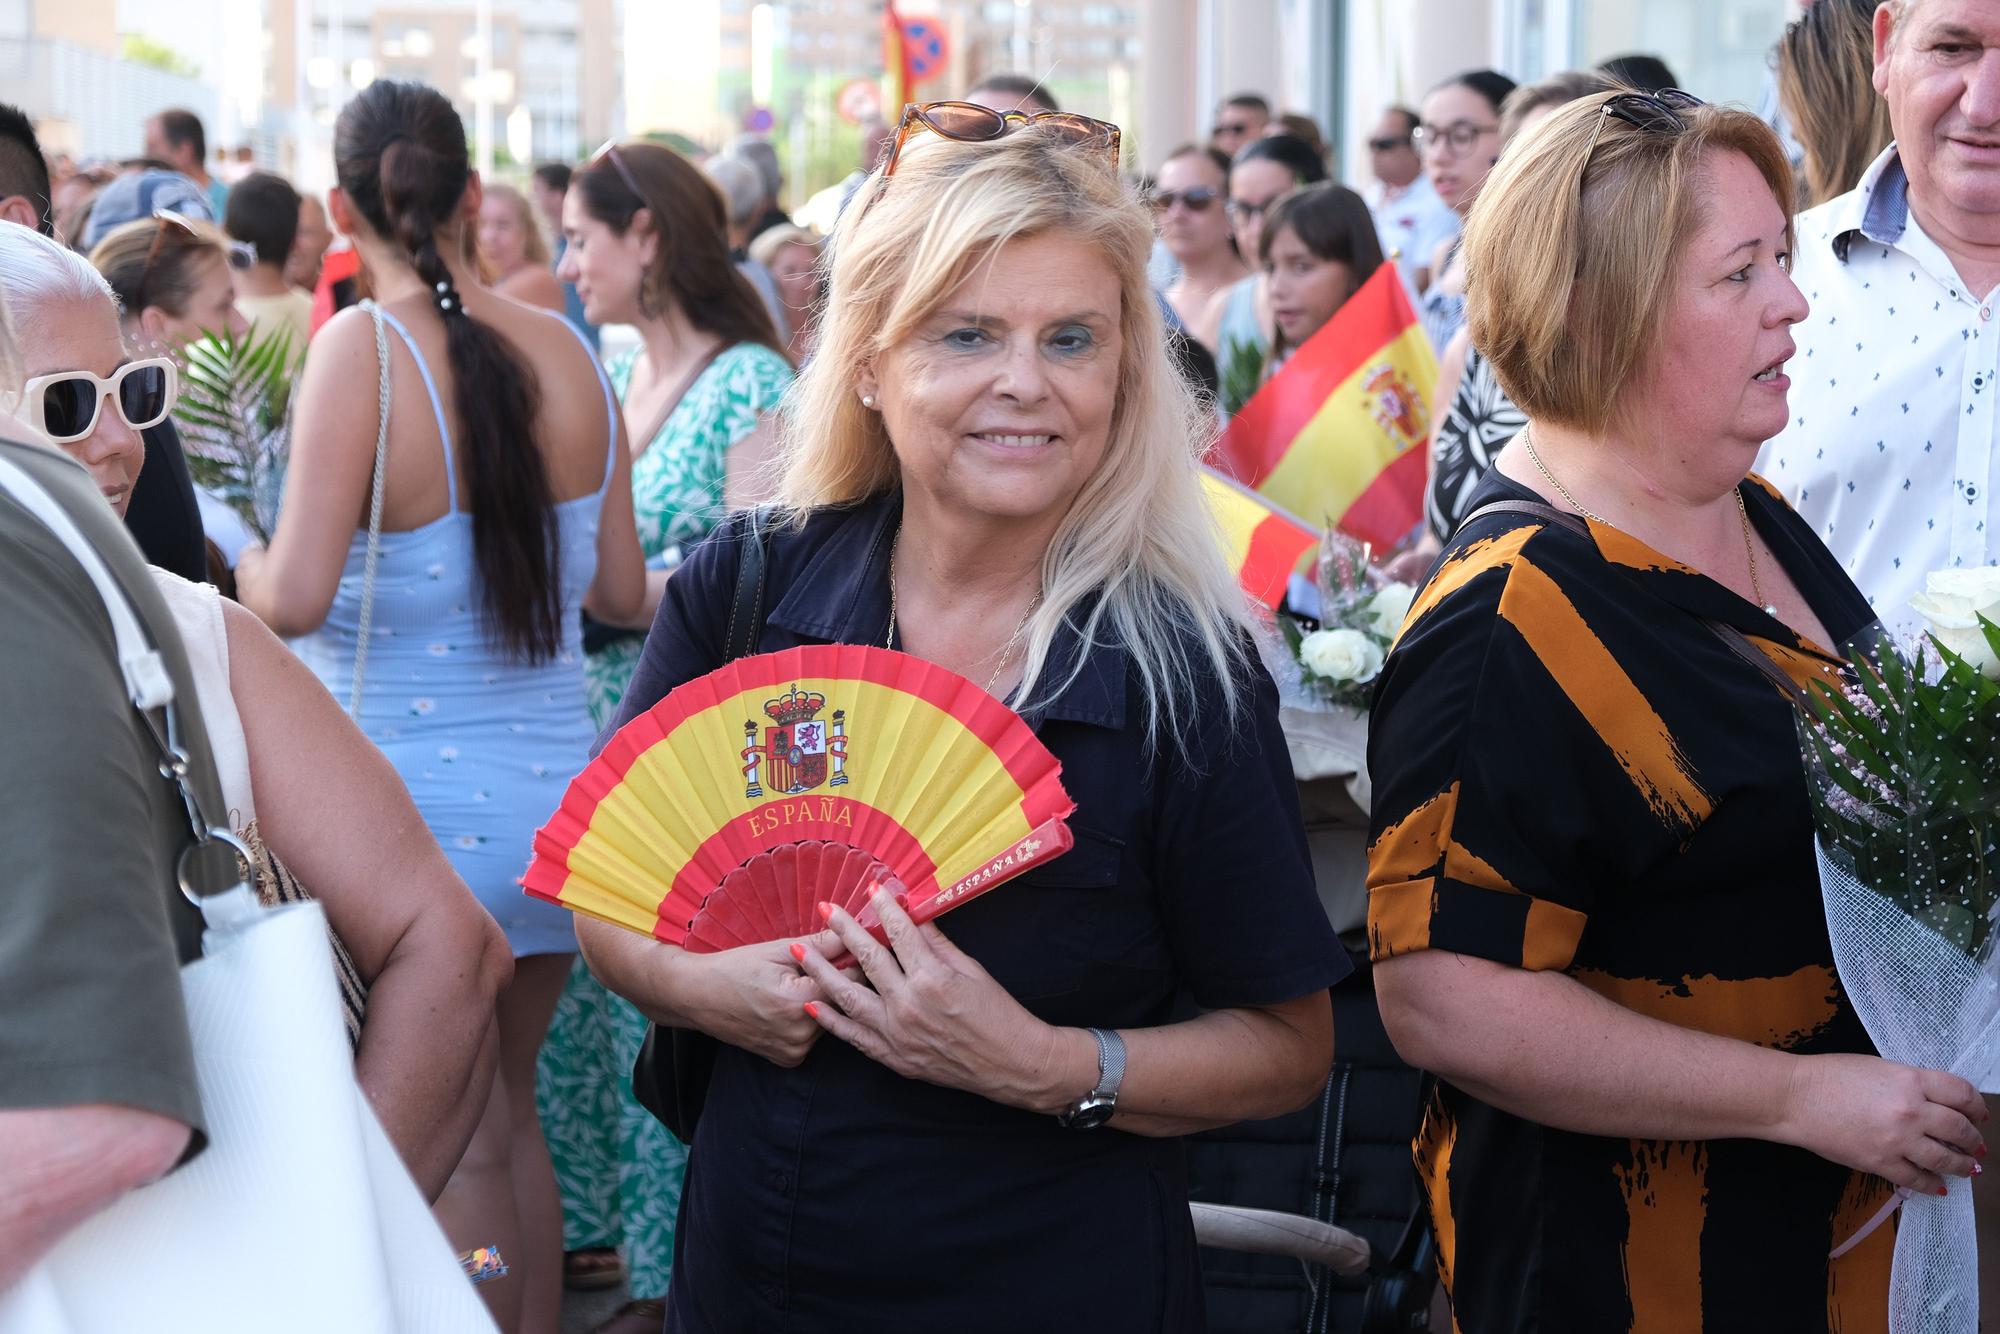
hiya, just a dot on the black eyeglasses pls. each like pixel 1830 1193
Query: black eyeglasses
pixel 1195 199
pixel 1459 136
pixel 1383 145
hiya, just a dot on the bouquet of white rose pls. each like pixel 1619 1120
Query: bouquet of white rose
pixel 1906 790
pixel 1359 615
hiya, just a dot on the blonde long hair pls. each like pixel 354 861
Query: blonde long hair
pixel 1139 534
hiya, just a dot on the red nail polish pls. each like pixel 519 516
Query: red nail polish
pixel 1979 1151
pixel 1944 1190
pixel 798 952
pixel 826 912
pixel 812 1009
pixel 1978 1171
pixel 903 902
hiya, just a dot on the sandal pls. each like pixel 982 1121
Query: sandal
pixel 592 1269
pixel 641 1317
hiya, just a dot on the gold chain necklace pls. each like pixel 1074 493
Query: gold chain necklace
pixel 1006 649
pixel 1742 513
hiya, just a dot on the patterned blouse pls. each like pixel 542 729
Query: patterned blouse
pixel 677 480
pixel 1481 421
pixel 1574 772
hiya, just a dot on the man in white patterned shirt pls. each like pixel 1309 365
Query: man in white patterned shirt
pixel 1890 453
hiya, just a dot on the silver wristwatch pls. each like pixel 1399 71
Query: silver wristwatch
pixel 1094 1108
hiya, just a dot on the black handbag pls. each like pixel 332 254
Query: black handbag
pixel 671 1077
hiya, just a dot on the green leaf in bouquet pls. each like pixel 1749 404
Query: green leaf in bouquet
pixel 233 413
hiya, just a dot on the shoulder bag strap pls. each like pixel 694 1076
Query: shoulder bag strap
pixel 374 555
pixel 746 610
pixel 1736 641
pixel 184 755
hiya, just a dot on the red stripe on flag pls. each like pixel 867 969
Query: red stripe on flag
pixel 1261 435
pixel 1385 513
pixel 1277 545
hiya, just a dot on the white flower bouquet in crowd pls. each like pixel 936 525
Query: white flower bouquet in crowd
pixel 234 416
pixel 1358 616
pixel 1905 767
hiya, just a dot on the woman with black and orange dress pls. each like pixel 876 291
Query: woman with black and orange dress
pixel 1594 902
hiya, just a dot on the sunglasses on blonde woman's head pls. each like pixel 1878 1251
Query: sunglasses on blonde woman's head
pixel 1655 113
pixel 1195 199
pixel 64 405
pixel 970 123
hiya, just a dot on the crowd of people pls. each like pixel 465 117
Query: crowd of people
pixel 1689 444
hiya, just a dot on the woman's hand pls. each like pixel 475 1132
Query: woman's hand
pixel 1913 1127
pixel 934 1014
pixel 755 997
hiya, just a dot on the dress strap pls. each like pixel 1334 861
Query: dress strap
pixel 437 407
pixel 610 404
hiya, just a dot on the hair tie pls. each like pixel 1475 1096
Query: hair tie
pixel 447 300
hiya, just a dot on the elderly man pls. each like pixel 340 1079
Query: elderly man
pixel 1890 453
pixel 176 137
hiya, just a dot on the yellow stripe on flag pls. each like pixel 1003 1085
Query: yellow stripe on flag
pixel 1263 545
pixel 1376 414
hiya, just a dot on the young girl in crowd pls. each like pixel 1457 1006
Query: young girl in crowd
pixel 1317 247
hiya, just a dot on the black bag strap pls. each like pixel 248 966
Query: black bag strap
pixel 1736 641
pixel 746 609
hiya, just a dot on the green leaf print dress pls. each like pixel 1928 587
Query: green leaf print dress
pixel 618 1168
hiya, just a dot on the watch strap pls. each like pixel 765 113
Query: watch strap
pixel 1110 1063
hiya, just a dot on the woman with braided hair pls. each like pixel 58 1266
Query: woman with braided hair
pixel 505 507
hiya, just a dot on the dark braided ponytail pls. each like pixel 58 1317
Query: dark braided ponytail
pixel 399 150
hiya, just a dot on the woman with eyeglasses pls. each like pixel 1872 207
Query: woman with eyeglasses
pixel 297 776
pixel 648 246
pixel 990 464
pixel 505 509
pixel 1237 324
pixel 1594 901
pixel 1459 138
pixel 1189 197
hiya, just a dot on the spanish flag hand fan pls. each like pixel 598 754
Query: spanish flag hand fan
pixel 725 813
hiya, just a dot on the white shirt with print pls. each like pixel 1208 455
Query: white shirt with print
pixel 1889 453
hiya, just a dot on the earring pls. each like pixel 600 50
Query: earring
pixel 868 400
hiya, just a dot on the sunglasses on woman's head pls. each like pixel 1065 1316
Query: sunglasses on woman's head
pixel 1655 113
pixel 241 255
pixel 609 151
pixel 64 405
pixel 1196 199
pixel 970 123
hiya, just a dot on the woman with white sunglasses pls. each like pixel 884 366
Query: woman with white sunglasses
pixel 431 960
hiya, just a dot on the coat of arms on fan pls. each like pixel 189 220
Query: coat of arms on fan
pixel 798 748
pixel 692 828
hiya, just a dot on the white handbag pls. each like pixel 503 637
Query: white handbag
pixel 298 1215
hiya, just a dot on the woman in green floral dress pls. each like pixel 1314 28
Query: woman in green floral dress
pixel 647 247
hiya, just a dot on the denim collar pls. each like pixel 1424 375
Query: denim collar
pixel 1877 209
pixel 842 597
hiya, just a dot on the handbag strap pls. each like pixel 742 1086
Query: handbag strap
pixel 1735 640
pixel 185 759
pixel 746 609
pixel 374 552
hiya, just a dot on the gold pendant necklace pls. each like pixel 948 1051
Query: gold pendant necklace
pixel 1006 649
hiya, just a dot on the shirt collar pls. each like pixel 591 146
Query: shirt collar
pixel 1877 209
pixel 842 597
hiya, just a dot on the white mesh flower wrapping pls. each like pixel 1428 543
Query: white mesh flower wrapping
pixel 1926 1003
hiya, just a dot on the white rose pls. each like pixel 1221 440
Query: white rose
pixel 1389 608
pixel 1952 603
pixel 1341 655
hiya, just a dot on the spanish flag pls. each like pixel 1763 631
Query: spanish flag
pixel 1338 434
pixel 1262 543
pixel 897 81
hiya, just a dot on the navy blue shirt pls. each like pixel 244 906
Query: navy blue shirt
pixel 839 1196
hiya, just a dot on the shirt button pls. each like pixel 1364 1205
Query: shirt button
pixel 1986 312
pixel 1971 491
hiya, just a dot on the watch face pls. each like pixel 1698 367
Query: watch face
pixel 1091 1114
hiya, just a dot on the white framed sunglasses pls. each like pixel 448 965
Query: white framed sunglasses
pixel 63 405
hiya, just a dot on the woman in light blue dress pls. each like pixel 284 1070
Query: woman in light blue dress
pixel 506 508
